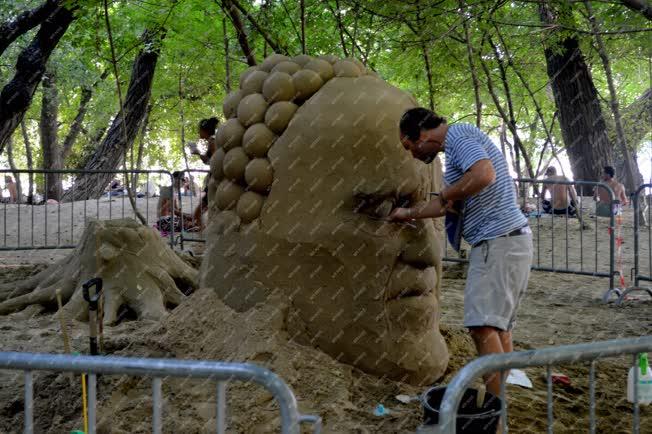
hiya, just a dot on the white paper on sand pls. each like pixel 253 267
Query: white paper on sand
pixel 518 377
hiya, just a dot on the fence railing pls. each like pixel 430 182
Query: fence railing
pixel 45 224
pixel 638 275
pixel 545 357
pixel 197 179
pixel 572 251
pixel 157 369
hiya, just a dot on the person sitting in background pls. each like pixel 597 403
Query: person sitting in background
pixel 563 198
pixel 207 129
pixel 10 185
pixel 169 214
pixel 605 207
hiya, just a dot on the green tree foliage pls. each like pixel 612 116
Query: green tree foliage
pixel 393 38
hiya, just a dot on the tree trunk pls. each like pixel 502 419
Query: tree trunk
pixel 472 68
pixel 431 90
pixel 641 6
pixel 340 25
pixel 302 5
pixel 48 127
pixel 233 13
pixel 110 154
pixel 12 166
pixel 141 146
pixel 17 95
pixel 582 125
pixel 75 127
pixel 274 45
pixel 30 163
pixel 630 182
pixel 26 21
pixel 227 62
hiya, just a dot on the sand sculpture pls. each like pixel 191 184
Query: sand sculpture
pixel 309 164
pixel 139 271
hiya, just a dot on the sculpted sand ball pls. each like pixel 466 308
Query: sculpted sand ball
pixel 304 221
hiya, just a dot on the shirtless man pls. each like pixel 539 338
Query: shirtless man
pixel 604 207
pixel 13 191
pixel 560 194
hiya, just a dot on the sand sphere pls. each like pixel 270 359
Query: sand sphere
pixel 278 87
pixel 344 68
pixel 254 83
pixel 330 58
pixel 306 83
pixel 235 162
pixel 302 59
pixel 287 67
pixel 251 109
pixel 279 115
pixel 227 194
pixel 216 164
pixel 259 174
pixel 230 104
pixel 321 67
pixel 249 206
pixel 246 74
pixel 257 140
pixel 272 60
pixel 230 134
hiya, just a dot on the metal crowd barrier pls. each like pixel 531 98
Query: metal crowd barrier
pixel 564 256
pixel 637 274
pixel 198 179
pixel 157 369
pixel 544 357
pixel 22 235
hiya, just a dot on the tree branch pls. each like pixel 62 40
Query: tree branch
pixel 23 23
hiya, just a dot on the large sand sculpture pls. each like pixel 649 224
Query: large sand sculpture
pixel 309 162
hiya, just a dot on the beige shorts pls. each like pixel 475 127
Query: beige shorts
pixel 497 279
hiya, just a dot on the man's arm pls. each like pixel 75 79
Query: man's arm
pixel 622 196
pixel 479 176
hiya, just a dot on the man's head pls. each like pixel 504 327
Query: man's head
pixel 9 179
pixel 207 127
pixel 551 171
pixel 422 133
pixel 609 173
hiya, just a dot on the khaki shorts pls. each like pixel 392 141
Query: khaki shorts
pixel 496 281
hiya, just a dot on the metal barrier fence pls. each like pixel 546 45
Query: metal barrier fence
pixel 21 222
pixel 566 252
pixel 544 357
pixel 198 179
pixel 637 274
pixel 157 369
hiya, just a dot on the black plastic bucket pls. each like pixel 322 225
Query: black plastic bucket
pixel 470 418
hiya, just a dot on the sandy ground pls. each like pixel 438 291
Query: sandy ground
pixel 558 309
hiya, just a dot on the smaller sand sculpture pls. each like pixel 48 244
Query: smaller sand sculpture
pixel 138 268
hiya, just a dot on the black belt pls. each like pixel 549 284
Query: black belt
pixel 516 232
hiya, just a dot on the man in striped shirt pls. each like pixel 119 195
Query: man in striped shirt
pixel 501 254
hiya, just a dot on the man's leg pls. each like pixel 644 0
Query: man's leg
pixel 489 340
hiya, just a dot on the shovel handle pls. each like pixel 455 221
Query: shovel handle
pixel 92 300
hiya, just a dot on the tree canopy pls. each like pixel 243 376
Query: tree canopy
pixel 474 61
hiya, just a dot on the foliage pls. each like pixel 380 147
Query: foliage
pixel 392 37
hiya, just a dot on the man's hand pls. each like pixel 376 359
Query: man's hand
pixel 193 148
pixel 400 215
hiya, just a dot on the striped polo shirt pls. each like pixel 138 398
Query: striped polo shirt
pixel 493 211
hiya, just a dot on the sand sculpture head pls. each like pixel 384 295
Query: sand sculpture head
pixel 309 159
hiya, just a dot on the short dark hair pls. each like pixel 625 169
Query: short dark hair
pixel 417 119
pixel 209 125
pixel 552 170
pixel 608 170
